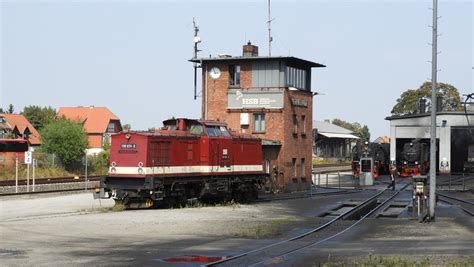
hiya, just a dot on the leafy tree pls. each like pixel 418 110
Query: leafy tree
pixel 10 109
pixel 408 103
pixel 100 162
pixel 127 127
pixel 67 140
pixel 1 110
pixel 358 130
pixel 39 116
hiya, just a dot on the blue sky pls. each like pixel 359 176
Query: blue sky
pixel 131 56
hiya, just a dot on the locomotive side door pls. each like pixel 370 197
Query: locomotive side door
pixel 219 149
pixel 225 157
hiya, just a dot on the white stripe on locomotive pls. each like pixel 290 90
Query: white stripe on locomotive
pixel 185 169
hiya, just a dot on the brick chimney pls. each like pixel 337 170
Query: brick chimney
pixel 250 50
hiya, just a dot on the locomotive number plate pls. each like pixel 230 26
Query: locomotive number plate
pixel 128 146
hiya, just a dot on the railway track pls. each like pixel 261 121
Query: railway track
pixel 55 180
pixel 305 194
pixel 466 205
pixel 343 222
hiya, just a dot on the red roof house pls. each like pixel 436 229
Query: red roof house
pixel 20 127
pixel 98 122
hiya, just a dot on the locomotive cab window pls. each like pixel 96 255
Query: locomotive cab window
pixel 224 131
pixel 196 129
pixel 214 131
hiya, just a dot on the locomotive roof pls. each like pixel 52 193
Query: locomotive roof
pixel 205 122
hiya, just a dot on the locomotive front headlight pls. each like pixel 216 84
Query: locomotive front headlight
pixel 404 162
pixel 416 162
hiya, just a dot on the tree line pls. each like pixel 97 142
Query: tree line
pixel 68 139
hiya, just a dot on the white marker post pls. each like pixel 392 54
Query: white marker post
pixel 28 160
pixel 34 168
pixel 16 174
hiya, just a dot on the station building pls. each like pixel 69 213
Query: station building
pixel 454 133
pixel 332 142
pixel 269 97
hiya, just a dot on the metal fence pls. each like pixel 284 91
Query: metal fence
pixel 456 181
pixel 334 179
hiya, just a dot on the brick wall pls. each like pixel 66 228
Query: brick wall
pixel 278 125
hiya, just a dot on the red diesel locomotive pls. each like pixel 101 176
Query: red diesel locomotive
pixel 186 159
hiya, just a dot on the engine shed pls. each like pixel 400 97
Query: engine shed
pixel 454 133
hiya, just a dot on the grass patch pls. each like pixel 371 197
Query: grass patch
pixel 117 207
pixel 200 204
pixel 400 261
pixel 7 173
pixel 267 229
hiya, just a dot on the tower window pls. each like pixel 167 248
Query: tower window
pixel 293 163
pixel 295 124
pixel 303 173
pixel 234 75
pixel 259 123
pixel 303 124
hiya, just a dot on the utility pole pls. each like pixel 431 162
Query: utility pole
pixel 270 38
pixel 434 70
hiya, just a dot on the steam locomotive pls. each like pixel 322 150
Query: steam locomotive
pixel 186 159
pixel 380 153
pixel 414 159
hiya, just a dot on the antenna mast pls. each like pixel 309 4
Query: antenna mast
pixel 270 38
pixel 197 40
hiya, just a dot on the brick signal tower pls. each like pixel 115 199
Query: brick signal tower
pixel 269 97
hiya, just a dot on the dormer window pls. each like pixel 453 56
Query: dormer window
pixel 234 75
pixel 111 127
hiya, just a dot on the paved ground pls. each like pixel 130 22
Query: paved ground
pixel 76 229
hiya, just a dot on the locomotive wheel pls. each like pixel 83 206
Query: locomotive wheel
pixel 149 203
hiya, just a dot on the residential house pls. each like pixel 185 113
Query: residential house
pixel 382 140
pixel 20 127
pixel 98 122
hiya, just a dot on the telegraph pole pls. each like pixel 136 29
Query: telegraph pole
pixel 434 70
